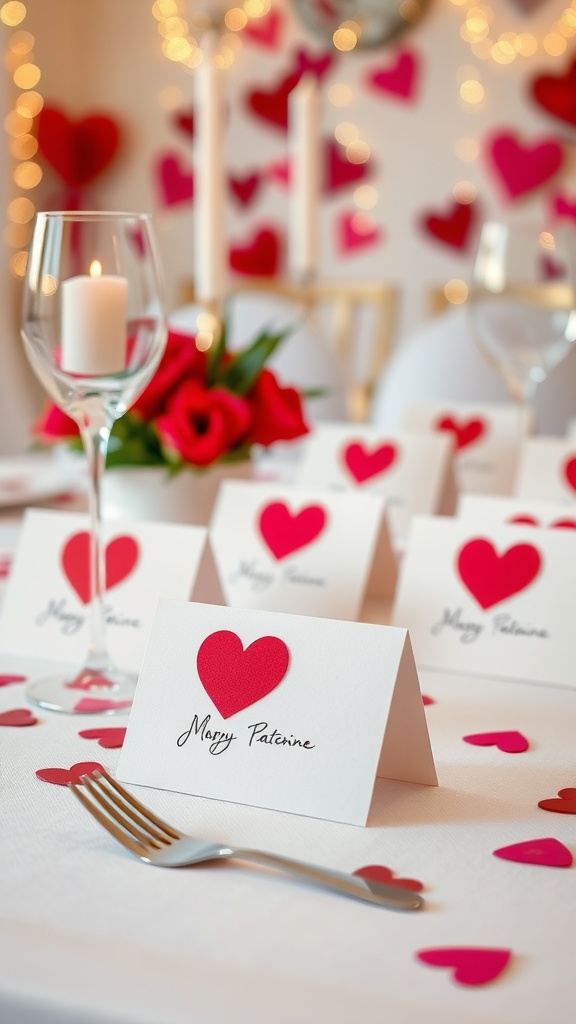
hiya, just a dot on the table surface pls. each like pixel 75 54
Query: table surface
pixel 89 934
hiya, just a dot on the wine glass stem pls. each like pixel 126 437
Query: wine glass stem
pixel 95 438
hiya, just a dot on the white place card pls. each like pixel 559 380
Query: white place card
pixel 486 440
pixel 490 600
pixel 493 510
pixel 45 605
pixel 547 469
pixel 413 471
pixel 289 712
pixel 301 549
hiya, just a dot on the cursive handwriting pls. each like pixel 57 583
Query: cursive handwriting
pixel 506 624
pixel 469 631
pixel 261 579
pixel 259 735
pixel 218 741
pixel 71 622
pixel 502 624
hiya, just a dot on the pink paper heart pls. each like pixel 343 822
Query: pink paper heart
pixel 17 717
pixel 234 677
pixel 63 776
pixel 399 78
pixel 265 31
pixel 523 168
pixel 285 532
pixel 511 742
pixel 88 705
pixel 7 678
pixel 121 559
pixel 176 182
pixel 108 738
pixel 279 172
pixel 550 853
pixel 339 170
pixel 364 464
pixel 356 231
pixel 491 577
pixel 380 873
pixel 471 965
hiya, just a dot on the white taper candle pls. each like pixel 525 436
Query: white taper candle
pixel 209 177
pixel 304 152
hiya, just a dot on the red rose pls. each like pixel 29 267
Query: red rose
pixel 181 361
pixel 202 424
pixel 277 413
pixel 54 425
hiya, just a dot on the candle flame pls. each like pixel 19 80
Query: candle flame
pixel 95 268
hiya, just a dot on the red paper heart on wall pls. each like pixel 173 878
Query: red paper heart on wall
pixel 272 105
pixel 176 182
pixel 260 258
pixel 121 559
pixel 398 79
pixel 314 64
pixel 77 150
pixel 563 206
pixel 245 189
pixel 454 227
pixel 266 31
pixel 234 677
pixel 184 121
pixel 356 231
pixel 522 168
pixel 285 532
pixel 491 577
pixel 557 94
pixel 339 171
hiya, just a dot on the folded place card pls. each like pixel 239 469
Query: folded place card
pixel 289 712
pixel 300 549
pixel 45 606
pixel 547 469
pixel 413 471
pixel 493 510
pixel 490 600
pixel 486 440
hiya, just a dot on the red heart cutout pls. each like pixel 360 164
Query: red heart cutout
pixel 235 678
pixel 549 853
pixel 570 472
pixel 17 717
pixel 272 106
pixel 260 258
pixel 108 738
pixel 5 566
pixel 318 65
pixel 472 965
pixel 398 79
pixel 176 183
pixel 563 524
pixel 339 170
pixel 564 207
pixel 356 230
pixel 285 533
pixel 121 559
pixel 63 776
pixel 265 31
pixel 564 803
pixel 511 742
pixel 77 150
pixel 492 578
pixel 245 189
pixel 6 679
pixel 382 874
pixel 185 121
pixel 88 705
pixel 557 94
pixel 427 700
pixel 559 524
pixel 363 464
pixel 452 228
pixel 524 519
pixel 279 172
pixel 524 168
pixel 465 433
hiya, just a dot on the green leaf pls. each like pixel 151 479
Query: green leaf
pixel 243 369
pixel 216 355
pixel 134 442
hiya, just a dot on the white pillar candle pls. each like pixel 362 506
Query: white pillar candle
pixel 94 313
pixel 304 151
pixel 209 177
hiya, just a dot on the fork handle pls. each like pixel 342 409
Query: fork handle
pixel 393 896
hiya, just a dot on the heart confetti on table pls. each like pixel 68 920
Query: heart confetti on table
pixel 260 257
pixel 63 776
pixel 511 742
pixel 397 79
pixel 121 559
pixel 452 228
pixel 7 678
pixel 465 432
pixel 285 532
pixel 176 182
pixel 550 853
pixel 471 965
pixel 427 700
pixel 564 803
pixel 491 577
pixel 570 472
pixel 528 520
pixel 384 875
pixel 364 464
pixel 556 94
pixel 108 738
pixel 522 168
pixel 17 717
pixel 234 677
pixel 92 705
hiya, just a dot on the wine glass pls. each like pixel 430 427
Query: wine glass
pixel 522 303
pixel 94 330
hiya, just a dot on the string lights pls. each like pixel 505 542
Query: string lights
pixel 18 124
pixel 480 31
pixel 182 36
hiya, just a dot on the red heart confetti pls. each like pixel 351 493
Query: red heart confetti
pixel 63 776
pixel 17 717
pixel 511 742
pixel 285 532
pixel 121 559
pixel 524 519
pixel 570 472
pixel 108 738
pixel 356 230
pixel 550 853
pixel 564 803
pixel 556 94
pixel 563 524
pixel 471 965
pixel 465 433
pixel 452 228
pixel 523 168
pixel 364 464
pixel 261 257
pixel 491 577
pixel 7 678
pixel 427 700
pixel 234 677
pixel 90 705
pixel 398 79
pixel 384 875
pixel 176 183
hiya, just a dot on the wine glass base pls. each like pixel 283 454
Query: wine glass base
pixel 87 692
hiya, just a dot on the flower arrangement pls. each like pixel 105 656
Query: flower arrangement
pixel 199 409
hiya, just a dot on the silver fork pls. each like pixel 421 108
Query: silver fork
pixel 156 842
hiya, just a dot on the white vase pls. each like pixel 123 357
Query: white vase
pixel 149 493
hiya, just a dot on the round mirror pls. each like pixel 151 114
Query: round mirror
pixel 372 22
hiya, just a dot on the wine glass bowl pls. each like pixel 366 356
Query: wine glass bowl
pixel 522 303
pixel 94 330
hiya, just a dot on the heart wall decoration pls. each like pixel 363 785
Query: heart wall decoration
pixel 399 79
pixel 521 167
pixel 556 94
pixel 78 150
pixel 453 227
pixel 261 256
